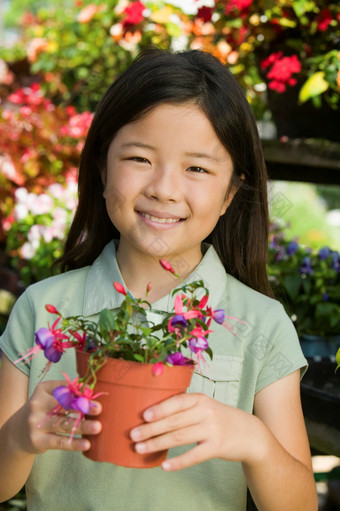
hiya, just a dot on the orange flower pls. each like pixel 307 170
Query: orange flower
pixel 87 13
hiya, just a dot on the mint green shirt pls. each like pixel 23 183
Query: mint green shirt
pixel 257 353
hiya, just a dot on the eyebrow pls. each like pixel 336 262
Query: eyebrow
pixel 138 144
pixel 203 156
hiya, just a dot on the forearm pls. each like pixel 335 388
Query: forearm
pixel 278 481
pixel 15 463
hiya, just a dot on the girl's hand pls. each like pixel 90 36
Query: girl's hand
pixel 40 433
pixel 220 431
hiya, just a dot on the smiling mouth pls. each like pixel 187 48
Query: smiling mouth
pixel 161 220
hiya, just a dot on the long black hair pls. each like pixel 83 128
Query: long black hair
pixel 157 76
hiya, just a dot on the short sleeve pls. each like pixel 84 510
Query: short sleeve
pixel 284 354
pixel 19 333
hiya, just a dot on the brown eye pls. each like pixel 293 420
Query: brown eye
pixel 139 159
pixel 198 170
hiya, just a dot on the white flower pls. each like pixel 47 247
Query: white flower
pixel 34 234
pixel 21 194
pixel 42 205
pixel 27 251
pixel 56 190
pixel 20 212
pixel 60 215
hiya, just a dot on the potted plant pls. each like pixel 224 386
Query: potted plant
pixel 128 362
pixel 307 283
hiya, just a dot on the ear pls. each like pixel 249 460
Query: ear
pixel 230 195
pixel 103 177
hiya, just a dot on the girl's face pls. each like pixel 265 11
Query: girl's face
pixel 166 183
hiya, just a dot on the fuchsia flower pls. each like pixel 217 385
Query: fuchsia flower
pixel 198 342
pixel 72 397
pixel 157 369
pixel 166 265
pixel 52 309
pixel 180 318
pixel 119 287
pixel 177 359
pixel 48 340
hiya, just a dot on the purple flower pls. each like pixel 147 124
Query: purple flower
pixel 178 321
pixel 177 359
pixel 64 396
pixel 42 336
pixel 324 252
pixel 306 266
pixel 335 263
pixel 53 350
pixel 197 344
pixel 325 297
pixel 292 248
pixel 280 254
pixel 218 316
pixel 81 404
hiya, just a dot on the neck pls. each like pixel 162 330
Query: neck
pixel 138 269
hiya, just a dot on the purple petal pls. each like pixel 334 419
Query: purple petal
pixel 81 404
pixel 179 321
pixel 51 353
pixel 219 316
pixel 64 396
pixel 177 359
pixel 42 336
pixel 198 344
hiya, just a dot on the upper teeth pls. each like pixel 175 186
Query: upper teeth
pixel 161 220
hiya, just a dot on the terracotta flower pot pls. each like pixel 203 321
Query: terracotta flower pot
pixel 129 389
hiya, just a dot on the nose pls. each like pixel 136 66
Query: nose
pixel 164 184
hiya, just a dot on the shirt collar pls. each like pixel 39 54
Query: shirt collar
pixel 100 293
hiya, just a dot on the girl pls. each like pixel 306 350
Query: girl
pixel 172 167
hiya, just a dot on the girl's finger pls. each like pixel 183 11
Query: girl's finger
pixel 195 455
pixel 95 408
pixel 171 406
pixel 183 436
pixel 64 443
pixel 176 421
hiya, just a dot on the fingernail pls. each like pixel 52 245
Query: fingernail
pixel 135 434
pixel 140 448
pixel 148 415
pixel 85 445
pixel 166 465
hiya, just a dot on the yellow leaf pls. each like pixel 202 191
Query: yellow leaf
pixel 337 359
pixel 314 86
pixel 162 16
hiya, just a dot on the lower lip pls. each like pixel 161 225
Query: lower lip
pixel 157 225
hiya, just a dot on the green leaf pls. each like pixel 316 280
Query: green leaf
pixel 314 86
pixel 292 284
pixel 139 358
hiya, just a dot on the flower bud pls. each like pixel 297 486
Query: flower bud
pixel 166 265
pixel 119 287
pixel 52 309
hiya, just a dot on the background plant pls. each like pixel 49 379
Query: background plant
pixel 307 283
pixel 36 231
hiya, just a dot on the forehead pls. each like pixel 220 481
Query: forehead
pixel 182 125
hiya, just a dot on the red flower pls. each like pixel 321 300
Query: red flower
pixel 239 5
pixel 134 13
pixel 205 13
pixel 324 19
pixel 280 73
